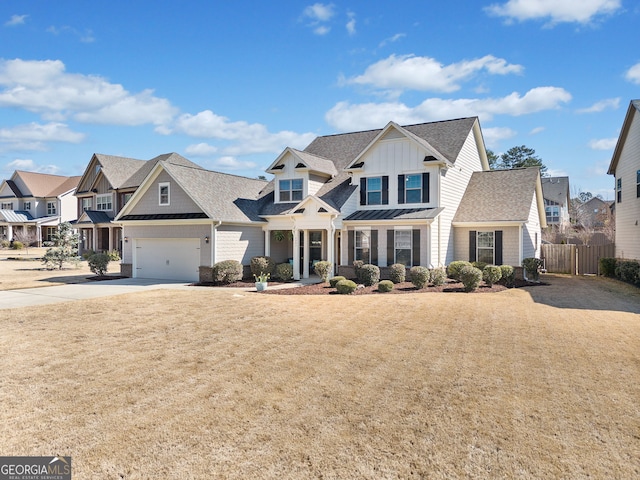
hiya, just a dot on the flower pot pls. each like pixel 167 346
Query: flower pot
pixel 260 286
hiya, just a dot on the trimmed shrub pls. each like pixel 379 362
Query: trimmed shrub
pixel 531 266
pixel 334 281
pixel 323 269
pixel 385 286
pixel 438 276
pixel 227 271
pixel 17 245
pixel 479 265
pixel 470 277
pixel 87 253
pixel 491 274
pixel 346 287
pixel 114 255
pixel 369 274
pixel 284 271
pixel 419 276
pixel 628 271
pixel 454 268
pixel 98 263
pixel 260 265
pixel 397 273
pixel 5 243
pixel 357 267
pixel 608 267
pixel 508 275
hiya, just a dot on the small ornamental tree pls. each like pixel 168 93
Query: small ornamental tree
pixel 98 263
pixel 65 249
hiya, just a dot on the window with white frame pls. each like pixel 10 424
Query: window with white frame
pixel 51 208
pixel 104 202
pixel 6 205
pixel 374 191
pixel 413 188
pixel 87 203
pixel 485 247
pixel 126 197
pixel 553 213
pixel 290 190
pixel 164 193
pixel 403 246
pixel 26 206
pixel 363 245
pixel 619 190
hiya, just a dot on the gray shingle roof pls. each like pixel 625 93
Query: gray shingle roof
pixel 498 195
pixel 316 163
pixel 118 169
pixel 136 179
pixel 556 189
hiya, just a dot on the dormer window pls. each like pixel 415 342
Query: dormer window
pixel 290 190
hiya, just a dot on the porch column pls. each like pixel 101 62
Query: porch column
pixel 38 235
pixel 331 238
pixel 296 254
pixel 267 243
pixel 111 230
pixel 305 266
pixel 9 232
pixel 94 239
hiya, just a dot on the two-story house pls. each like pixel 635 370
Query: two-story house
pixel 385 196
pixel 557 200
pixel 625 167
pixel 32 205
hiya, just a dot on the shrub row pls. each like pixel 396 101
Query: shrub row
pixel 625 270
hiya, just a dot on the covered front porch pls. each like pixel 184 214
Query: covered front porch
pixel 98 233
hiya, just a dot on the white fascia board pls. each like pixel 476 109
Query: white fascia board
pixel 512 223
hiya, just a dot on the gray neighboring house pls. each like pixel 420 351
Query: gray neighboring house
pixel 557 201
pixel 381 196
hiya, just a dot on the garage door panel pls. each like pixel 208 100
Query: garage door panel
pixel 167 258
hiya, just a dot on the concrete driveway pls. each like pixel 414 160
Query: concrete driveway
pixel 28 297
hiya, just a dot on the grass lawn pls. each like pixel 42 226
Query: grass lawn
pixel 539 382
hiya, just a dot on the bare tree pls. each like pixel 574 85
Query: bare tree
pixel 26 236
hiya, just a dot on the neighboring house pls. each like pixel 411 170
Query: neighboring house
pixel 381 196
pixel 595 213
pixel 32 205
pixel 625 167
pixel 557 200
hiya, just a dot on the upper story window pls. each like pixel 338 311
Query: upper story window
pixel 290 190
pixel 51 208
pixel 104 202
pixel 638 184
pixel 164 194
pixel 26 206
pixel 553 213
pixel 619 190
pixel 374 190
pixel 126 197
pixel 413 188
pixel 7 206
pixel 87 204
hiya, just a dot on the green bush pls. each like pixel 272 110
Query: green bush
pixel 346 287
pixel 98 263
pixel 454 268
pixel 114 255
pixel 491 274
pixel 357 268
pixel 369 274
pixel 470 277
pixel 5 243
pixel 323 269
pixel 479 265
pixel 284 271
pixel 87 253
pixel 333 281
pixel 17 245
pixel 397 273
pixel 419 276
pixel 385 286
pixel 628 271
pixel 438 276
pixel 608 266
pixel 531 266
pixel 260 265
pixel 508 275
pixel 227 271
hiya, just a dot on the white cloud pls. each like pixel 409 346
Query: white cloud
pixel 537 130
pixel 33 136
pixel 392 39
pixel 31 166
pixel 345 116
pixel 425 73
pixel 232 163
pixel 321 30
pixel 351 24
pixel 493 136
pixel 201 150
pixel 16 20
pixel 319 12
pixel 633 74
pixel 45 88
pixel 603 143
pixel 556 11
pixel 85 37
pixel 612 103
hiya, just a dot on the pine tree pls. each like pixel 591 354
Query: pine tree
pixel 65 249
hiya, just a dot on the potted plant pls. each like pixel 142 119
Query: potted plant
pixel 261 281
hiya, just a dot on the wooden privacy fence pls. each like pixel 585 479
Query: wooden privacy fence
pixel 575 259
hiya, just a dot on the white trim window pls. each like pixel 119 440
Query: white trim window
pixel 374 191
pixel 413 188
pixel 485 247
pixel 51 208
pixel 104 202
pixel 362 245
pixel 7 206
pixel 164 193
pixel 290 190
pixel 26 206
pixel 87 203
pixel 126 197
pixel 403 246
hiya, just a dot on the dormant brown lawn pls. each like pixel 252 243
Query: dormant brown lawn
pixel 539 382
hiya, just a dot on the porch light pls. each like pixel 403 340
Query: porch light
pixel 206 239
pixel 126 239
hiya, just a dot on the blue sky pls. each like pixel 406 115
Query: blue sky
pixel 229 85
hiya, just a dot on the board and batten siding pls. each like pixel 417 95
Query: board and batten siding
pixel 239 243
pixel 628 210
pixel 167 231
pixel 453 183
pixel 179 201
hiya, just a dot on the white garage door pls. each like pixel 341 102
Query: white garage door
pixel 167 258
